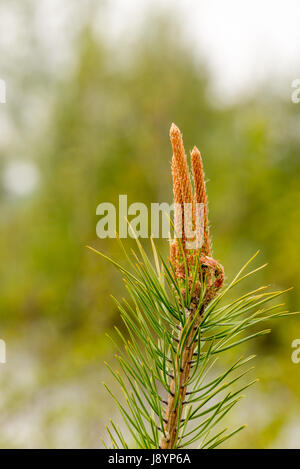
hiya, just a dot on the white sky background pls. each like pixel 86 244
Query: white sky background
pixel 244 42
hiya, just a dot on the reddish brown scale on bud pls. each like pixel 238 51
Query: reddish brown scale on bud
pixel 183 193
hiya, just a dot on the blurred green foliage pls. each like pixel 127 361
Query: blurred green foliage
pixel 107 134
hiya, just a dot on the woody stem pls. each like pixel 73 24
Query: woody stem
pixel 174 407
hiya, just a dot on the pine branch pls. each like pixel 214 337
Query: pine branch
pixel 178 323
pixel 173 412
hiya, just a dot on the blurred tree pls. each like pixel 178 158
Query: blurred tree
pixel 107 135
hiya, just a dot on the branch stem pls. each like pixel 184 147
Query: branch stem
pixel 174 407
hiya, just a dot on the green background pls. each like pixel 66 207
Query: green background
pixel 102 130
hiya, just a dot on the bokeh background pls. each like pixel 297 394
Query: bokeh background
pixel 92 88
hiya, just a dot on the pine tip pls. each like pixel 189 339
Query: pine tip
pixel 174 130
pixel 195 152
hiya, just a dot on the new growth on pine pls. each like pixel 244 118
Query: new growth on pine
pixel 178 323
pixel 197 265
